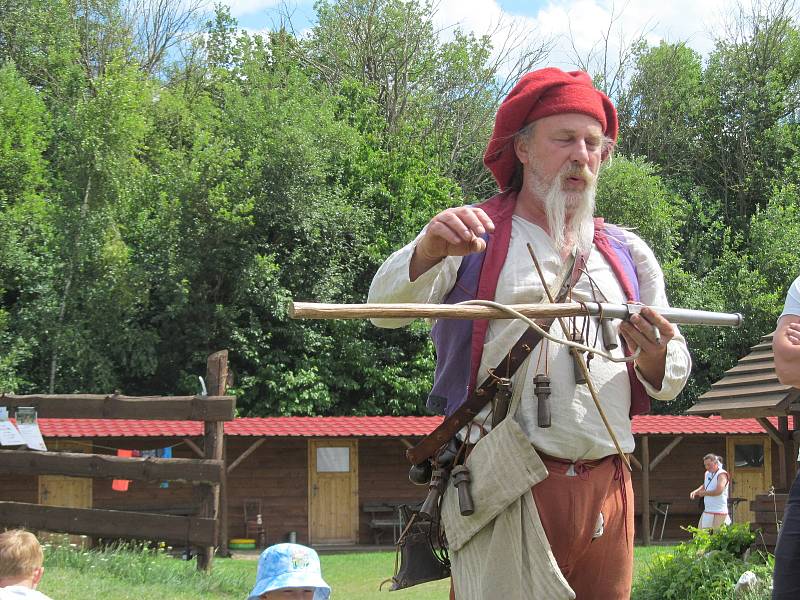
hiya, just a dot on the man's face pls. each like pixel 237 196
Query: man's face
pixel 567 149
pixel 561 159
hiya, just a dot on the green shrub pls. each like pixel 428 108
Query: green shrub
pixel 706 568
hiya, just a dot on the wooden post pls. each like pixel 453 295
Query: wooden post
pixel 787 456
pixel 223 504
pixel 793 444
pixel 645 490
pixel 214 447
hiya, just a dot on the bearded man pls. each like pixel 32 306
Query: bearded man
pixel 568 531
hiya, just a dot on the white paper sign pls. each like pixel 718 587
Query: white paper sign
pixel 29 428
pixel 9 436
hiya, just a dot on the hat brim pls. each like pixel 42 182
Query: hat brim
pixel 292 580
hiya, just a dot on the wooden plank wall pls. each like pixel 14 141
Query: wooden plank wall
pixel 146 494
pixel 383 476
pixel 677 475
pixel 674 477
pixel 277 473
pixel 19 488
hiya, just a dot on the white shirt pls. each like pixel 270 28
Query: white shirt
pixel 792 306
pixel 715 504
pixel 577 430
pixel 21 592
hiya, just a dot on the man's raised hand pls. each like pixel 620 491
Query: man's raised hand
pixel 453 232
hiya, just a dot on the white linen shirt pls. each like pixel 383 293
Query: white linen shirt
pixel 21 592
pixel 577 430
pixel 792 306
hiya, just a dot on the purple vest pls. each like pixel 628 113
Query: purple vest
pixel 459 343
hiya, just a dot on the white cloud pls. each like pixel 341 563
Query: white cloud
pixel 478 16
pixel 693 21
pixel 241 8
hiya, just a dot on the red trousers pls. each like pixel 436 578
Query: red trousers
pixel 597 565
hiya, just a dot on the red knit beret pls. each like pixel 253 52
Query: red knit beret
pixel 540 94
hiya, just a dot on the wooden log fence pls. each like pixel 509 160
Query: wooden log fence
pixel 102 466
pixel 98 522
pixel 213 503
pixel 205 530
pixel 91 406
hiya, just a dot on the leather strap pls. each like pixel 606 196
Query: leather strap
pixel 465 413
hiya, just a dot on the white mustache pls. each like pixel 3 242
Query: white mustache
pixel 581 172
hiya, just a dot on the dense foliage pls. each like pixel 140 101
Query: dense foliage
pixel 160 201
pixel 707 568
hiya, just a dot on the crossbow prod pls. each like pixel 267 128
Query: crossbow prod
pixel 484 309
pixel 467 310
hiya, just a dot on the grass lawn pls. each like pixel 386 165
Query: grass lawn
pixel 132 575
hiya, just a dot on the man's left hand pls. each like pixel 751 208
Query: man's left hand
pixel 640 332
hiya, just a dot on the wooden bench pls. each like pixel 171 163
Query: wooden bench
pixel 384 516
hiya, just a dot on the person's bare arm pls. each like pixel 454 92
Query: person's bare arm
pixel 786 346
pixel 722 483
pixel 695 493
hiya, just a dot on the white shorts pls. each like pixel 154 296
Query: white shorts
pixel 713 520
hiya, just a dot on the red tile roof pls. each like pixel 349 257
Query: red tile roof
pixel 333 426
pixel 76 428
pixel 357 427
pixel 691 425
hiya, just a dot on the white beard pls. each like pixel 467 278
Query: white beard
pixel 558 205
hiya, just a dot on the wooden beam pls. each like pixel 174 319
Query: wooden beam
pixel 312 310
pixel 214 448
pixel 109 523
pixel 92 406
pixel 103 466
pixel 645 490
pixel 635 461
pixel 771 431
pixel 253 447
pixel 222 527
pixel 778 437
pixel 217 373
pixel 665 452
pixel 195 448
pixel 785 453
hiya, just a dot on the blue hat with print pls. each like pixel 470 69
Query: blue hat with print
pixel 289 566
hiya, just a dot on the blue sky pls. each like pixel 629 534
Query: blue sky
pixel 581 24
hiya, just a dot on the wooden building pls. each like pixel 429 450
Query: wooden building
pixel 751 389
pixel 674 447
pixel 326 478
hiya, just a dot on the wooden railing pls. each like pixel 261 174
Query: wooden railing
pixel 202 530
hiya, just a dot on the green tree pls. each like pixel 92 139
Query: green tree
pixel 26 245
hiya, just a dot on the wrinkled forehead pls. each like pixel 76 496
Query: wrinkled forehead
pixel 573 123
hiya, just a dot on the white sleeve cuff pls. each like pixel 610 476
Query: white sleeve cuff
pixel 676 371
